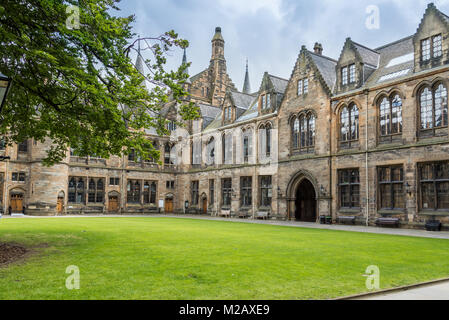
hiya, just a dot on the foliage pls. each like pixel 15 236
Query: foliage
pixel 79 86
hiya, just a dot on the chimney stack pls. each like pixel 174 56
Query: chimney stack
pixel 318 48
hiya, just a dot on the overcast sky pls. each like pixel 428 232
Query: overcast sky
pixel 270 32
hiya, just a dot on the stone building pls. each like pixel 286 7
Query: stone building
pixel 364 136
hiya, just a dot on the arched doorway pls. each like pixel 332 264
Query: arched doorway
pixel 168 204
pixel 113 202
pixel 16 201
pixel 302 197
pixel 305 202
pixel 204 204
pixel 60 202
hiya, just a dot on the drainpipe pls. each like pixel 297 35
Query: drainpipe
pixel 330 161
pixel 366 160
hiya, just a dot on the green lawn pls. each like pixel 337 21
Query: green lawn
pixel 166 258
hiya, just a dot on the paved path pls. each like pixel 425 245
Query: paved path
pixel 391 231
pixel 438 291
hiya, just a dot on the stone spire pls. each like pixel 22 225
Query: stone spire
pixel 184 61
pixel 218 45
pixel 246 85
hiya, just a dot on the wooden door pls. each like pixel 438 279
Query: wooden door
pixel 168 205
pixel 113 204
pixel 16 203
pixel 204 206
pixel 60 205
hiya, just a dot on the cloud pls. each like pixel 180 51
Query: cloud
pixel 270 32
pixel 252 7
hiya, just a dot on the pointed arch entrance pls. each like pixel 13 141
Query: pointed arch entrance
pixel 302 198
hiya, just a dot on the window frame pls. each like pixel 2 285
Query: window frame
pixel 349 143
pixel 246 191
pixel 195 192
pixel 389 132
pixel 226 192
pixel 75 191
pixel 353 205
pixel 265 190
pixel 435 182
pixel 444 110
pixel 391 183
pixel 431 49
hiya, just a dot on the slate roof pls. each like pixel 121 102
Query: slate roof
pixel 369 56
pixel 396 61
pixel 242 100
pixel 279 84
pixel 208 113
pixel 326 66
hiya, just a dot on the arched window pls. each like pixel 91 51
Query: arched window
pixel 349 125
pixel 268 140
pixel 304 132
pixel 433 108
pixel 247 145
pixel 226 143
pixel 210 149
pixel 295 133
pixel 390 116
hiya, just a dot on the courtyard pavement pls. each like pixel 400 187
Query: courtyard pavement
pixel 439 291
pixel 357 228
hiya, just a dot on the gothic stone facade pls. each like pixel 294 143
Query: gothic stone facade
pixel 365 135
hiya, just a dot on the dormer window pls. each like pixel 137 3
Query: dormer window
pixel 352 73
pixel 425 49
pixel 303 86
pixel 171 126
pixel 437 46
pixel 228 114
pixel 432 47
pixel 344 76
pixel 265 102
pixel 348 75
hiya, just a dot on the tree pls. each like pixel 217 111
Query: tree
pixel 75 83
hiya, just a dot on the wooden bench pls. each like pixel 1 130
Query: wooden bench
pixel 262 214
pixel 243 214
pixel 225 213
pixel 387 222
pixel 346 219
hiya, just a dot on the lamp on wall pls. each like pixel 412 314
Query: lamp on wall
pixel 408 189
pixel 322 190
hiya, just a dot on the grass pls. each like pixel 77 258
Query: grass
pixel 163 258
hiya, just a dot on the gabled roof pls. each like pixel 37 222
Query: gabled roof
pixel 241 100
pixel 208 113
pixel 431 8
pixel 279 84
pixel 369 56
pixel 326 66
